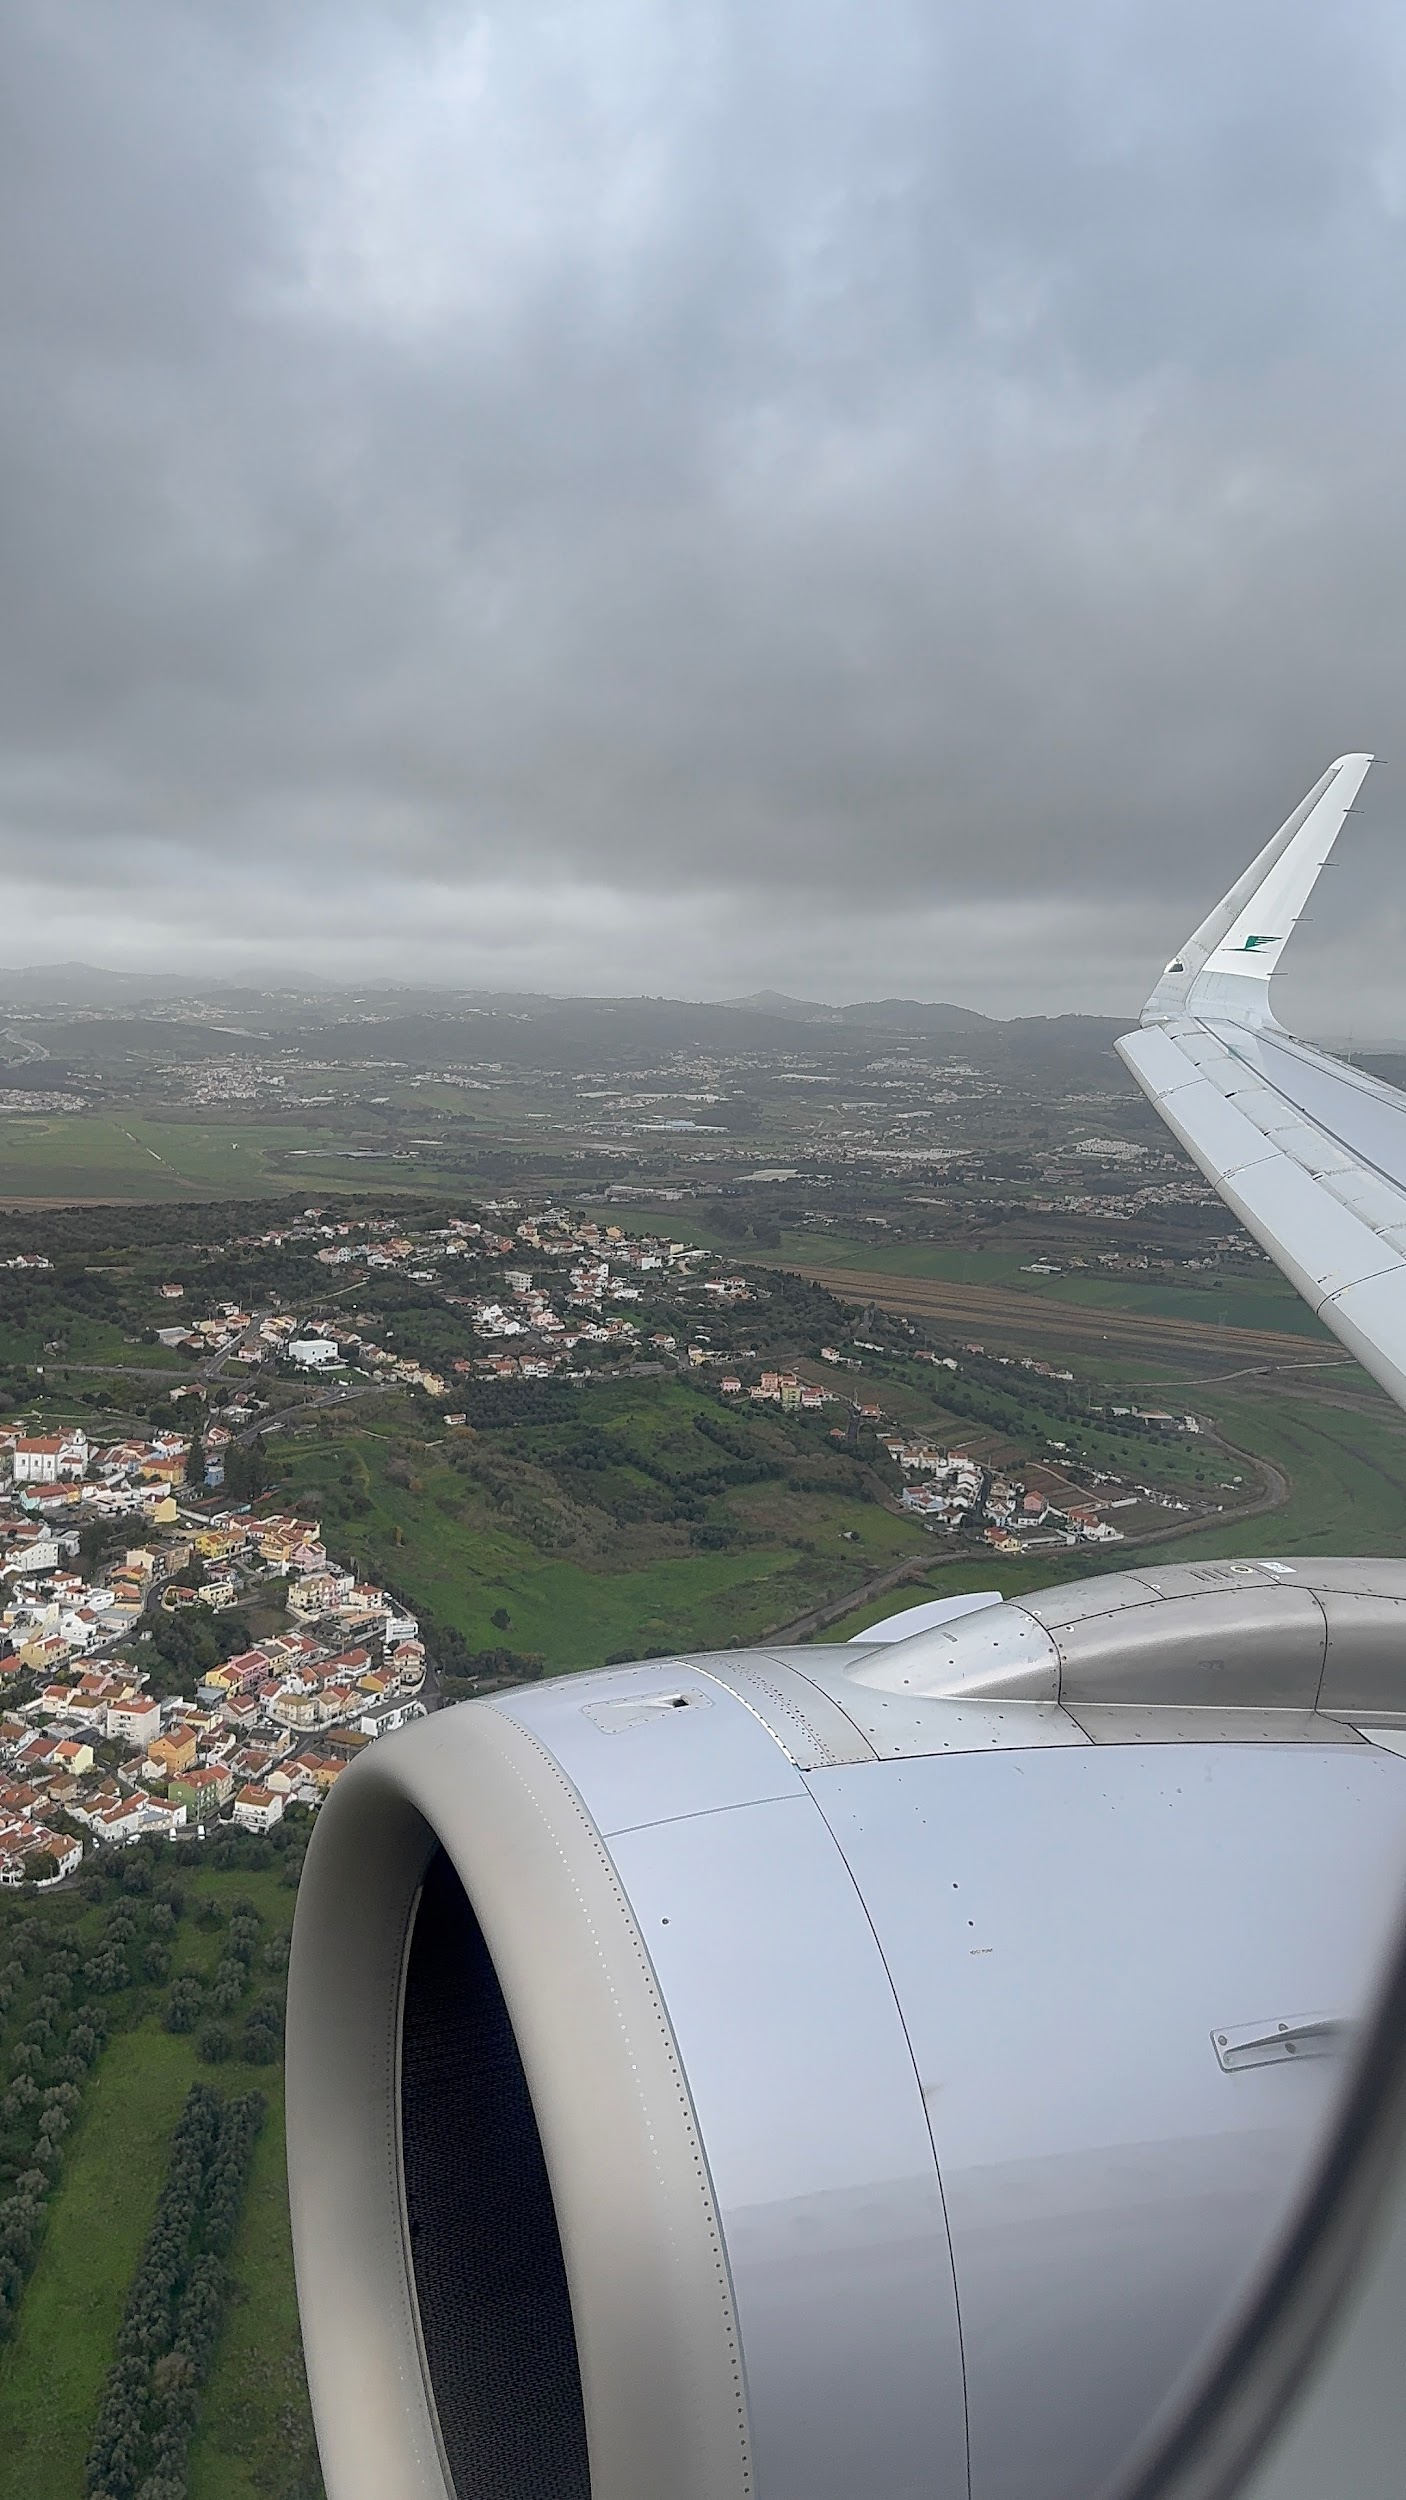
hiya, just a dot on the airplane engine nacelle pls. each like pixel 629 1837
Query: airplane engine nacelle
pixel 823 2074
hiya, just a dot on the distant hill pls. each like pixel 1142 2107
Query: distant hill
pixel 141 1012
pixel 88 985
pixel 913 1015
pixel 908 1015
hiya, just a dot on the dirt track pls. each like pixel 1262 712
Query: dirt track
pixel 1019 1322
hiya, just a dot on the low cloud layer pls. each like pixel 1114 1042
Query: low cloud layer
pixel 858 498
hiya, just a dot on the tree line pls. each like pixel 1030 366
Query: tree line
pixel 175 2303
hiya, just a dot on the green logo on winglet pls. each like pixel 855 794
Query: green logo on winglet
pixel 1252 942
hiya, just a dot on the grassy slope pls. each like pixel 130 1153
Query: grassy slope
pixel 955 1579
pixel 462 1559
pixel 1347 1474
pixel 459 1558
pixel 88 1341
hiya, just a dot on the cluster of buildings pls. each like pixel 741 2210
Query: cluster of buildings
pixel 956 1491
pixel 93 1753
pixel 323 1351
pixel 784 1389
pixel 569 1288
pixel 273 1337
pixel 566 1286
pixel 61 1472
pixel 223 1331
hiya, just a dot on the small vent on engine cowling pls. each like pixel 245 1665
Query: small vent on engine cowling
pixel 495 2313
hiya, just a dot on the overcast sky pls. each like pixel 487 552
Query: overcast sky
pixel 861 496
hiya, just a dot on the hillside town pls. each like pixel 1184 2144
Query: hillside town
pixel 561 1295
pixel 110 1533
pixel 93 1756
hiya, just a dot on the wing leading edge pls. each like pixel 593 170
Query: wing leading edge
pixel 1310 1154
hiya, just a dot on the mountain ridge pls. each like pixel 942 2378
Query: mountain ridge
pixel 87 986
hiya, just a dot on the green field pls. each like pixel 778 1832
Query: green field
pixel 465 1547
pixel 50 2378
pixel 1012 1576
pixel 1347 1477
pixel 66 1157
pixel 255 2432
pixel 87 1341
pixel 1235 1301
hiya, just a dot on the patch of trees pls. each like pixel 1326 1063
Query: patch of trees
pixel 179 1649
pixel 801 1313
pixel 248 1470
pixel 496 1405
pixel 100 1540
pixel 632 1482
pixel 44 2073
pixel 464 1671
pixel 743 1224
pixel 86 1233
pixel 175 2303
pixel 62 1987
pixel 259 2040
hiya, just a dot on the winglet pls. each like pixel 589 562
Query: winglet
pixel 1226 966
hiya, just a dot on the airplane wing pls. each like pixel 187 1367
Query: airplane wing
pixel 1308 2395
pixel 1309 1153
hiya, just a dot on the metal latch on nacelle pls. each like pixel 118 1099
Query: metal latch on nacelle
pixel 1266 2044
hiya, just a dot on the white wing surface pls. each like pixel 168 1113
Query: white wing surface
pixel 1309 1153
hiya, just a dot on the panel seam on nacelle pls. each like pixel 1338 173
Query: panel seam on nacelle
pixel 922 2104
pixel 753 1713
pixel 702 1814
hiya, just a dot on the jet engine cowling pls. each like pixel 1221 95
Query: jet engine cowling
pixel 792 2074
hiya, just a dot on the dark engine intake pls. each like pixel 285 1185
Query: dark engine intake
pixel 837 2074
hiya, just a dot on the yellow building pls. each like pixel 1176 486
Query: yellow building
pixel 217 1544
pixel 169 1755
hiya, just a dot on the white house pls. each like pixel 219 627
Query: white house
pixel 134 1722
pixel 384 1717
pixel 16 1856
pixel 313 1353
pixel 31 1550
pixel 161 1815
pixel 80 1626
pixel 258 1809
pixel 51 1458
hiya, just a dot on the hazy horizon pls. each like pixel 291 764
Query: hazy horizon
pixel 1334 1036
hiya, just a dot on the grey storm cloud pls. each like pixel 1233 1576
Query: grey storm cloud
pixel 850 494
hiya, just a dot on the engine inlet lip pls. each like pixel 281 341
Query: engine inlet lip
pixel 657 2339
